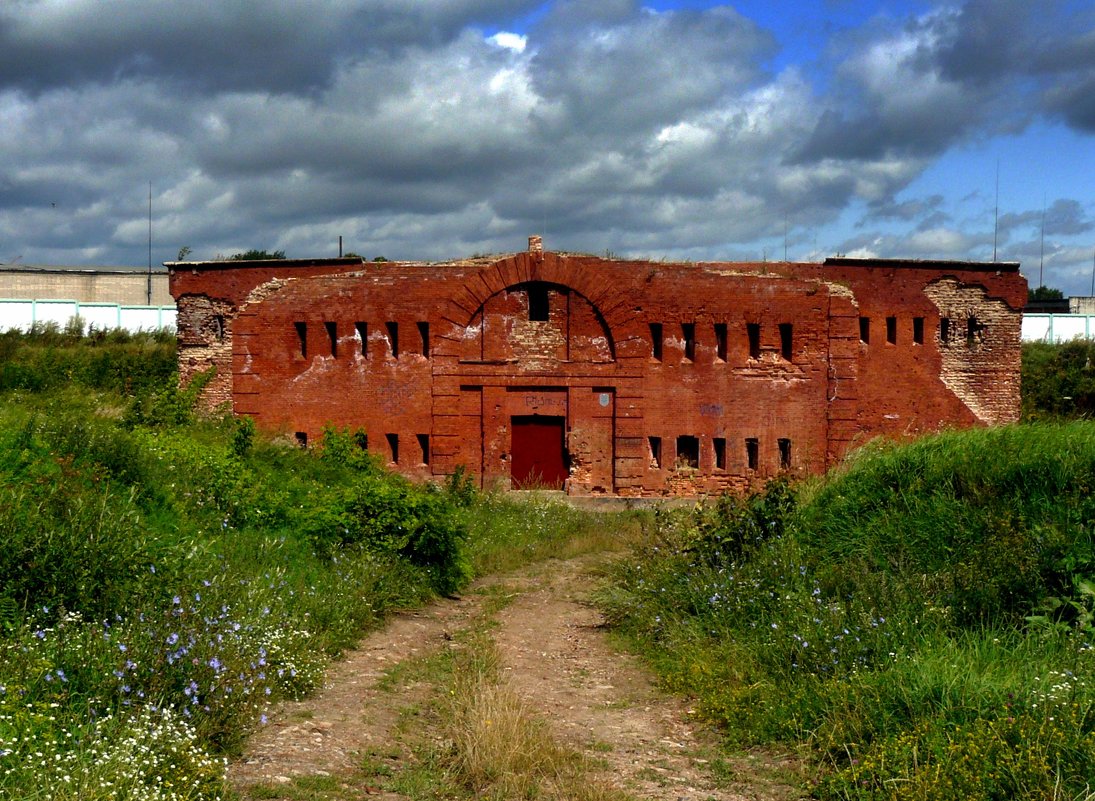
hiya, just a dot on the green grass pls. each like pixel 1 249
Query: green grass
pixel 166 577
pixel 920 619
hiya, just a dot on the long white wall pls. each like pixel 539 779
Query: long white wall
pixel 22 314
pixel 1057 327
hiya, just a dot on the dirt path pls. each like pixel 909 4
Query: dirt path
pixel 556 656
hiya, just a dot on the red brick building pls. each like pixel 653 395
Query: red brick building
pixel 606 376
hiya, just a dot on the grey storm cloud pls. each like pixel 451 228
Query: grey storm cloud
pixel 285 46
pixel 955 74
pixel 411 131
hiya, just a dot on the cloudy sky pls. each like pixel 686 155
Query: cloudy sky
pixel 433 129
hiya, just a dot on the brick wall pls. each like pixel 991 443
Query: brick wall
pixel 664 379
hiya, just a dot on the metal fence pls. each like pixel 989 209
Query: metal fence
pixel 22 314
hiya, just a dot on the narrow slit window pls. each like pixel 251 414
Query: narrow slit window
pixel 944 329
pixel 424 336
pixel 752 453
pixel 865 330
pixel 974 327
pixel 393 446
pixel 719 444
pixel 301 438
pixel 302 338
pixel 918 330
pixel 363 335
pixel 655 451
pixel 784 454
pixel 656 341
pixel 332 337
pixel 393 338
pixel 538 309
pixel 688 451
pixel 891 330
pixel 753 330
pixel 218 327
pixel 688 334
pixel 720 342
pixel 424 445
pixel 785 341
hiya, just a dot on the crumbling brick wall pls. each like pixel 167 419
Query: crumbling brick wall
pixel 664 379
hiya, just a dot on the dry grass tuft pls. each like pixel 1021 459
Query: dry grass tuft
pixel 500 750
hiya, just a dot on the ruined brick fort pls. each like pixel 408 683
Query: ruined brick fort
pixel 605 376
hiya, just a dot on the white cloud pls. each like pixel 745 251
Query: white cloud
pixel 509 41
pixel 406 130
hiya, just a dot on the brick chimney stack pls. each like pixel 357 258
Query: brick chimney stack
pixel 535 244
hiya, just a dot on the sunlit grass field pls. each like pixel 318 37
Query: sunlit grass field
pixel 920 622
pixel 166 577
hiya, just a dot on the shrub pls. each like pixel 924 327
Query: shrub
pixel 923 621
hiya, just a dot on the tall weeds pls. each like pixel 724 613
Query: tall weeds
pixel 921 618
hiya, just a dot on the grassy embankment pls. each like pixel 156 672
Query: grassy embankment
pixel 164 578
pixel 921 622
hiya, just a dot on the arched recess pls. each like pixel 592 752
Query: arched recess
pixel 574 274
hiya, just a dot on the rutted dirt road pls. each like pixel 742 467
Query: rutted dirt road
pixel 556 657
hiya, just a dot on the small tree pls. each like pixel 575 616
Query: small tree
pixel 1044 293
pixel 257 255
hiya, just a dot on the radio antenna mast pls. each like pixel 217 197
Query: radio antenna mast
pixel 996 213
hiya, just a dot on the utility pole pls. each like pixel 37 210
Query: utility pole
pixel 1042 245
pixel 148 291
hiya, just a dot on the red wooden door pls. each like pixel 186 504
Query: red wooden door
pixel 537 452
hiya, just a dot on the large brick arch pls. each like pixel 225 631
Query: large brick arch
pixel 588 276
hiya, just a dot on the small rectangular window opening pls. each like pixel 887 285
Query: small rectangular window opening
pixel 752 453
pixel 784 454
pixel 538 309
pixel 720 452
pixel 655 451
pixel 361 440
pixel 865 330
pixel 688 451
pixel 974 327
pixel 393 446
pixel 218 327
pixel 785 341
pixel 424 445
pixel 944 329
pixel 393 338
pixel 363 335
pixel 656 341
pixel 688 334
pixel 332 336
pixel 720 342
pixel 891 330
pixel 918 330
pixel 301 438
pixel 753 329
pixel 302 338
pixel 424 335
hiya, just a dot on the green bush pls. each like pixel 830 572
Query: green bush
pixel 922 618
pixel 48 357
pixel 1058 380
